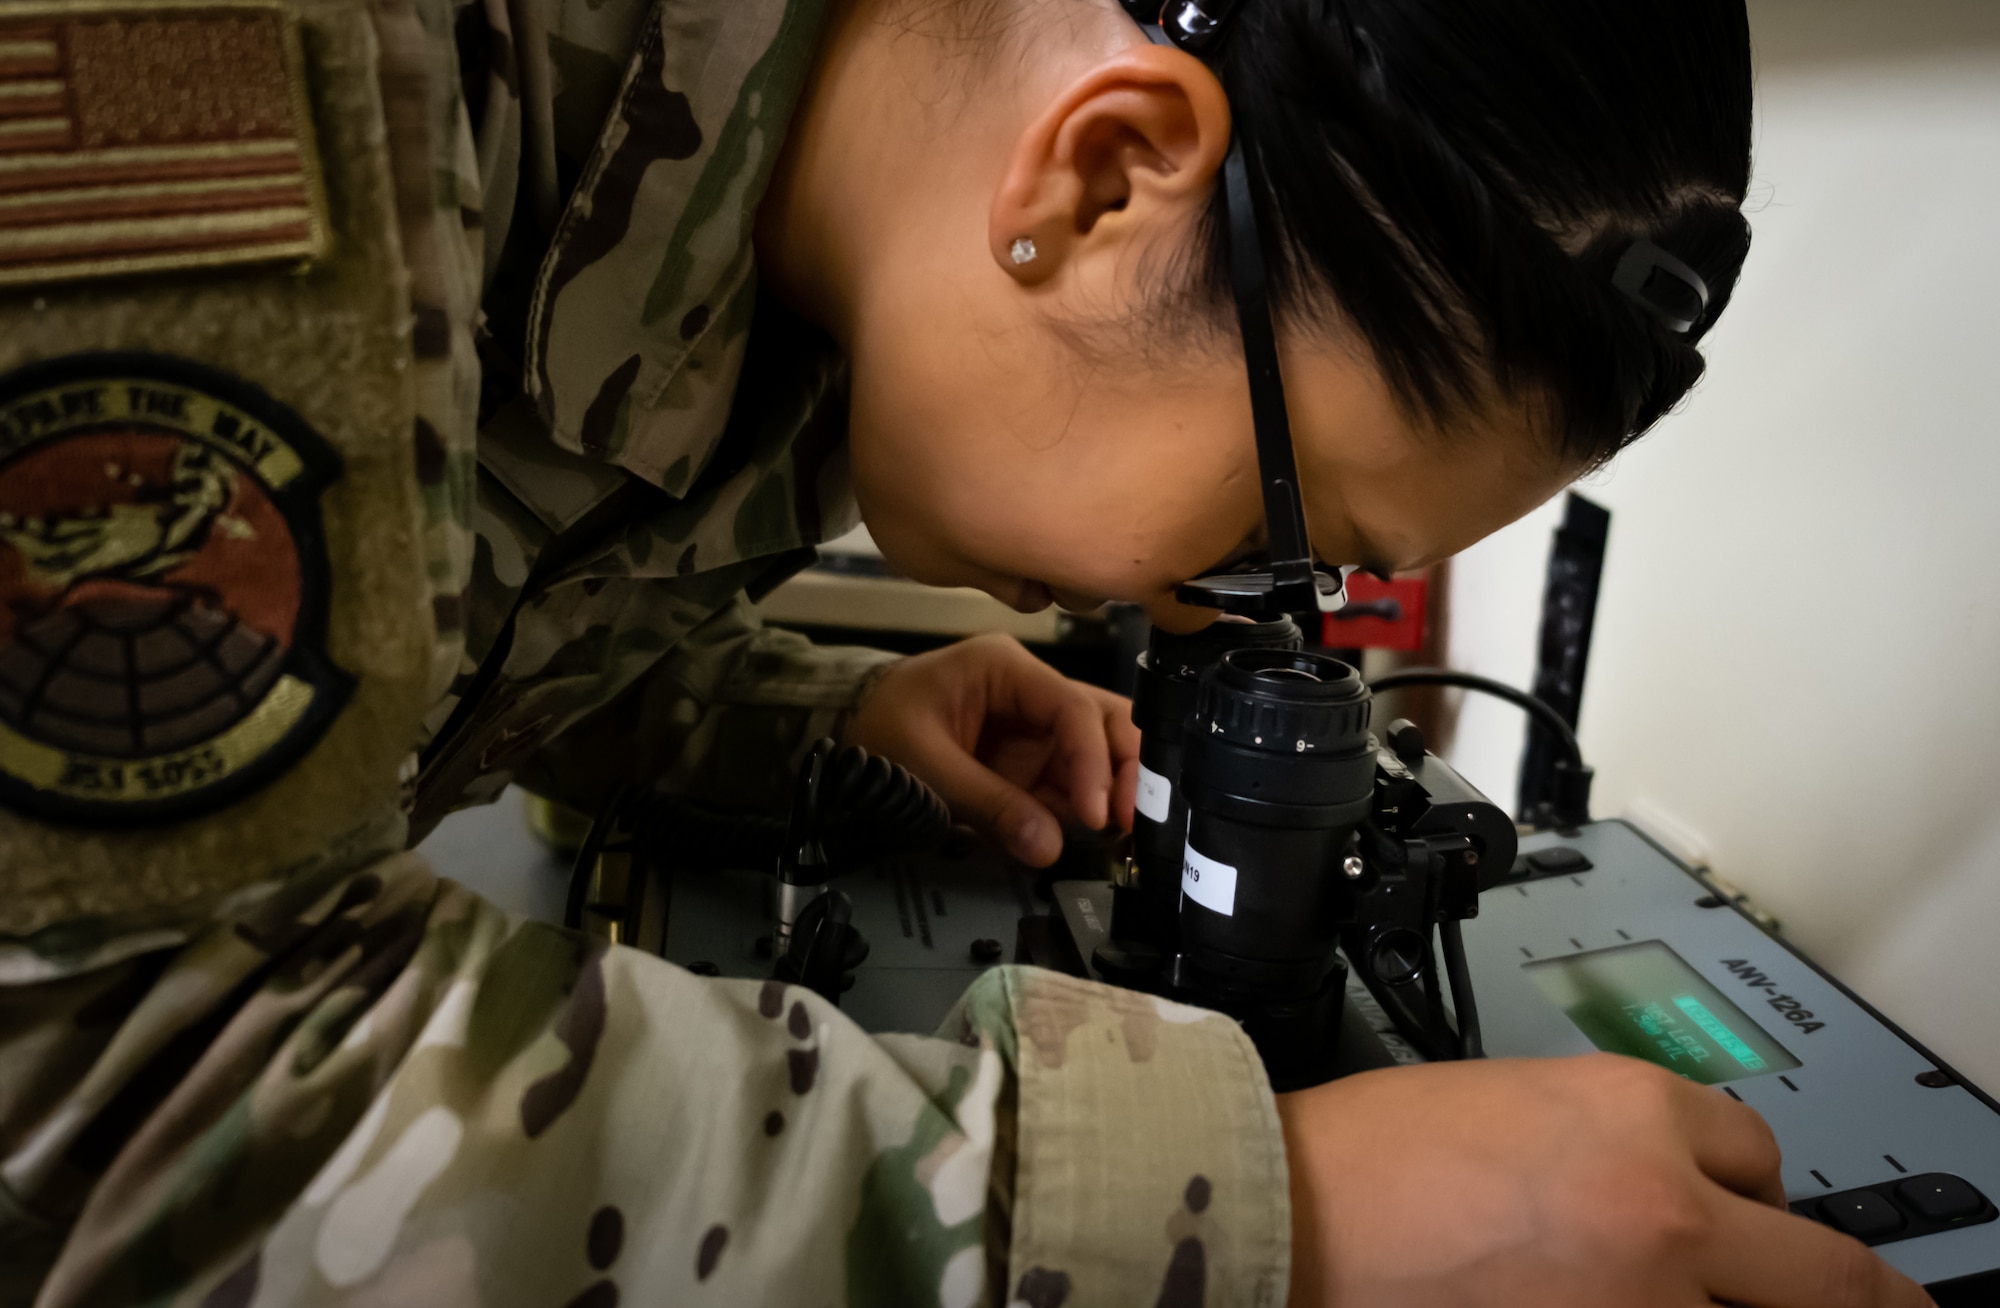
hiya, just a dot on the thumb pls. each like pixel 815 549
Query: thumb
pixel 997 808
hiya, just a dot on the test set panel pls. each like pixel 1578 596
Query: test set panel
pixel 933 924
pixel 1601 940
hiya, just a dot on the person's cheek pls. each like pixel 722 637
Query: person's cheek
pixel 1169 614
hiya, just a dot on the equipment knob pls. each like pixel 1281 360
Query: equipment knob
pixel 1407 741
pixel 1398 957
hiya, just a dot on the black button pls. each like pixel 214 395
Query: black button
pixel 1940 1197
pixel 1559 859
pixel 1863 1214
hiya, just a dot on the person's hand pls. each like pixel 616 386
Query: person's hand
pixel 1013 746
pixel 1559 1183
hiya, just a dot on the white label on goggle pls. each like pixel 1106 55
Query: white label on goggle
pixel 1155 794
pixel 1208 882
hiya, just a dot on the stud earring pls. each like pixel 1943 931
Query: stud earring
pixel 1022 250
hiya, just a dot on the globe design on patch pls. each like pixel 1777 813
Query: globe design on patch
pixel 165 591
pixel 134 675
pixel 119 650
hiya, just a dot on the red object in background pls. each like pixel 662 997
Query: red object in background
pixel 1367 623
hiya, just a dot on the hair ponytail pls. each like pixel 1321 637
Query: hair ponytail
pixel 1457 180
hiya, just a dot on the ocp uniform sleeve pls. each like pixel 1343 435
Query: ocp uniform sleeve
pixel 1143 1162
pixel 398 1094
pixel 724 718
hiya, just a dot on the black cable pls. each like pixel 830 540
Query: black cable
pixel 1470 1045
pixel 868 807
pixel 1413 1026
pixel 1537 710
pixel 1436 1029
pixel 584 869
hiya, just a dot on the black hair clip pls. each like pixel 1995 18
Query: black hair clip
pixel 1662 285
pixel 1192 25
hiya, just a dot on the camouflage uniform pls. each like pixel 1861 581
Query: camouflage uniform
pixel 262 1056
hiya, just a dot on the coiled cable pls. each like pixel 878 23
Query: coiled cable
pixel 868 807
pixel 863 807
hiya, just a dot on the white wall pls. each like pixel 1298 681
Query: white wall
pixel 1797 654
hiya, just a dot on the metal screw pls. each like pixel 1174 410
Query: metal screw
pixel 1353 867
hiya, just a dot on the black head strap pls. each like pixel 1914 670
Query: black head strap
pixel 1292 585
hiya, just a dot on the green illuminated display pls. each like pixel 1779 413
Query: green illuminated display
pixel 1644 1000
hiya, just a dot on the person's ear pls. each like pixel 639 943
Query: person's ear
pixel 1133 146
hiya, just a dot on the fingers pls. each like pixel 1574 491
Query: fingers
pixel 1119 728
pixel 987 801
pixel 1764 1257
pixel 1106 789
pixel 1042 698
pixel 1087 760
pixel 1013 746
pixel 1123 738
pixel 1125 793
pixel 1733 1144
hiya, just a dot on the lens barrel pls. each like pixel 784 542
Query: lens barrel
pixel 1278 769
pixel 1163 704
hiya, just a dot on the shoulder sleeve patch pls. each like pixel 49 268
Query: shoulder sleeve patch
pixel 163 589
pixel 145 137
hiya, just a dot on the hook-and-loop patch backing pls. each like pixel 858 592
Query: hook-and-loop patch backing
pixel 142 138
pixel 215 626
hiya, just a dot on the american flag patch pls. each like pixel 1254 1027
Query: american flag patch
pixel 137 137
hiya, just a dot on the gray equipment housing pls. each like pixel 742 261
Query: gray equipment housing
pixel 1866 1109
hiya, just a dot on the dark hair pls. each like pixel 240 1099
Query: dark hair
pixel 1456 180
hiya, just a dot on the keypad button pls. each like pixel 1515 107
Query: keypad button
pixel 1939 1197
pixel 1863 1214
pixel 1559 859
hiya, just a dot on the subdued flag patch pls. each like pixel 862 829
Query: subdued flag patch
pixel 143 137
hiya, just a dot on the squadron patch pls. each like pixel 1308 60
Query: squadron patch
pixel 143 136
pixel 163 589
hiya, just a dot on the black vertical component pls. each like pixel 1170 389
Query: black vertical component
pixel 1278 771
pixel 1145 925
pixel 1569 608
pixel 1129 633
